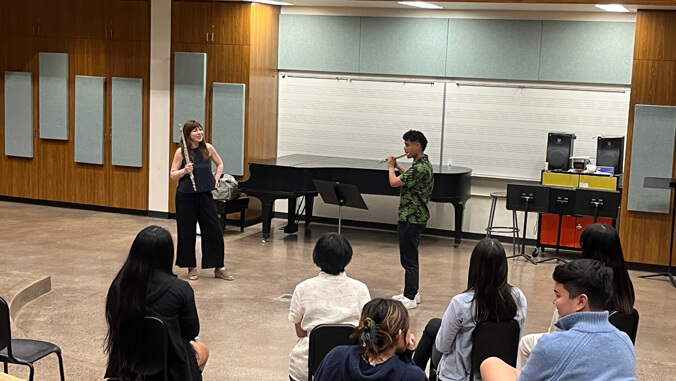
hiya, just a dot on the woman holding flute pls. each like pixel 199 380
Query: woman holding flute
pixel 194 203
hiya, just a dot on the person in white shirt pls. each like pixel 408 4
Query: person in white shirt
pixel 329 298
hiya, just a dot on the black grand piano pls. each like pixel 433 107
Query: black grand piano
pixel 289 177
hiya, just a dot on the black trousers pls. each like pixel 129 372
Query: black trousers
pixel 190 209
pixel 409 238
pixel 426 349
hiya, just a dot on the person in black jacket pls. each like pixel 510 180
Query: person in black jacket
pixel 147 286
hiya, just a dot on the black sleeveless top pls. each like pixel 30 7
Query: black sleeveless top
pixel 204 179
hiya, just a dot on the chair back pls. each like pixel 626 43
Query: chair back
pixel 5 328
pixel 491 339
pixel 155 348
pixel 627 323
pixel 325 337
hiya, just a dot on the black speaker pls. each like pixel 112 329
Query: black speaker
pixel 559 150
pixel 610 153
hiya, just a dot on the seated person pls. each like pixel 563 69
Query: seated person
pixel 600 242
pixel 329 298
pixel 589 348
pixel 146 286
pixel 488 298
pixel 384 350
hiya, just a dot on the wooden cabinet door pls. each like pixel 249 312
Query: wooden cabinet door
pixel 232 23
pixel 129 20
pixel 18 17
pixel 191 22
pixel 54 18
pixel 19 175
pixel 129 185
pixel 89 181
pixel 87 19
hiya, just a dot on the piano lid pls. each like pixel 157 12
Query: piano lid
pixel 313 161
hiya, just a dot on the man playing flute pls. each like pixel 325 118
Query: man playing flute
pixel 416 188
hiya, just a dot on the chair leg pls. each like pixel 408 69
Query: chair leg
pixel 491 215
pixel 241 221
pixel 63 377
pixel 5 366
pixel 32 372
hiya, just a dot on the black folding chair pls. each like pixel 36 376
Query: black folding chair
pixel 23 351
pixel 153 363
pixel 627 323
pixel 325 337
pixel 491 339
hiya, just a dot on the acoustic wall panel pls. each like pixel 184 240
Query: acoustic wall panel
pixel 504 49
pixel 190 88
pixel 89 119
pixel 127 122
pixel 53 95
pixel 582 51
pixel 403 46
pixel 228 125
pixel 319 43
pixel 652 155
pixel 18 114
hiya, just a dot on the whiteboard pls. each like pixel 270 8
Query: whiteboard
pixel 356 119
pixel 497 129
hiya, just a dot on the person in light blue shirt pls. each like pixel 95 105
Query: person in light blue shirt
pixel 488 298
pixel 590 348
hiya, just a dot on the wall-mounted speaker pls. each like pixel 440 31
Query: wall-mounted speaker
pixel 610 153
pixel 559 150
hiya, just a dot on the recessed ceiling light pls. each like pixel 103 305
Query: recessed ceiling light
pixel 420 4
pixel 271 2
pixel 612 7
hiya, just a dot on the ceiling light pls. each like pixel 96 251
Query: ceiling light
pixel 420 4
pixel 271 2
pixel 612 7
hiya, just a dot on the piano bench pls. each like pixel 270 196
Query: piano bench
pixel 238 205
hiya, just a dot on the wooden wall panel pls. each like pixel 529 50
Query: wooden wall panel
pixel 232 23
pixel 20 175
pixel 129 20
pixel 190 22
pixel 18 17
pixel 54 18
pixel 87 19
pixel 129 185
pixel 645 236
pixel 90 181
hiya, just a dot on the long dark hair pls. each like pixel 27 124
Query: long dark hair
pixel 188 127
pixel 152 250
pixel 380 322
pixel 487 277
pixel 601 242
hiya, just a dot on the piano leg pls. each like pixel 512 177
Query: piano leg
pixel 309 204
pixel 291 225
pixel 266 206
pixel 459 212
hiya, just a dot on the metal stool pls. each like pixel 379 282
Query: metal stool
pixel 502 229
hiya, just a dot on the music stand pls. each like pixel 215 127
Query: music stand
pixel 527 198
pixel 664 183
pixel 561 202
pixel 597 203
pixel 335 193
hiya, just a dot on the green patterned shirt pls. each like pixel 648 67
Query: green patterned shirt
pixel 416 191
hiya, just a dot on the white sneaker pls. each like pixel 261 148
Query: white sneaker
pixel 408 303
pixel 399 297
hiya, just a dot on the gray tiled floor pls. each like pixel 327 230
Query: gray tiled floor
pixel 243 323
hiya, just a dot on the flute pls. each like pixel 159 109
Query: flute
pixel 184 149
pixel 398 157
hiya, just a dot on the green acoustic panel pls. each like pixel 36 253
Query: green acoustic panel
pixel 581 51
pixel 89 119
pixel 190 89
pixel 228 126
pixel 319 43
pixel 403 46
pixel 652 155
pixel 127 122
pixel 504 49
pixel 53 95
pixel 18 114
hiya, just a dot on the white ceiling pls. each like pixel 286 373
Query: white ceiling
pixel 453 6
